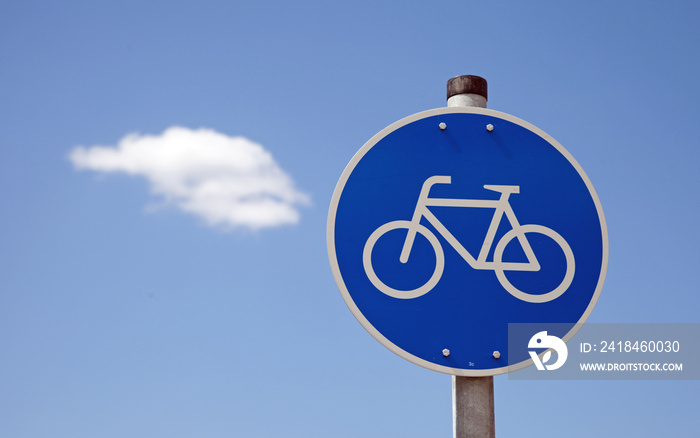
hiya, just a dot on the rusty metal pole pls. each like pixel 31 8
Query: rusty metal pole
pixel 467 90
pixel 472 397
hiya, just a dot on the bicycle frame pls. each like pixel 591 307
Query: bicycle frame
pixel 501 207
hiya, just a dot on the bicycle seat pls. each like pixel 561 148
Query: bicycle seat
pixel 502 189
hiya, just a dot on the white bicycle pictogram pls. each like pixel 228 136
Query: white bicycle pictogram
pixel 501 206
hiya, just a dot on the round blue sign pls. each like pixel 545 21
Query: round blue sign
pixel 452 223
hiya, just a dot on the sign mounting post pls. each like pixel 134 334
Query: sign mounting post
pixel 473 412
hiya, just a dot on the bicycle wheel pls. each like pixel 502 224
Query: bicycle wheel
pixel 542 297
pixel 388 290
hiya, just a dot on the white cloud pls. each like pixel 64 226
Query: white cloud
pixel 231 182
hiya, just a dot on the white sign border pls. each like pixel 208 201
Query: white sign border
pixel 335 268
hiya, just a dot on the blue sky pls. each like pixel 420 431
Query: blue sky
pixel 125 310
